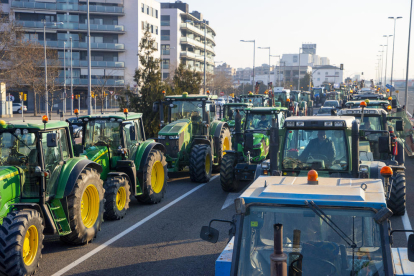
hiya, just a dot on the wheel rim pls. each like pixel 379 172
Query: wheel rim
pixel 90 206
pixel 226 145
pixel 120 198
pixel 30 245
pixel 157 177
pixel 208 163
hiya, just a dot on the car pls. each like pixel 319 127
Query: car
pixel 324 110
pixel 331 103
pixel 220 101
pixel 17 108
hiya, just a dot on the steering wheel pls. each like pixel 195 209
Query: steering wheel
pixel 321 156
pixel 103 141
pixel 313 260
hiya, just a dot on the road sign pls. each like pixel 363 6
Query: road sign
pixel 221 93
pixel 397 91
pixel 11 98
pixel 388 86
pixel 112 92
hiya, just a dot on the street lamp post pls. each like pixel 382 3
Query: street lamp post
pixel 393 44
pixel 89 64
pixel 64 79
pixel 408 58
pixel 299 70
pixel 254 53
pixel 267 48
pixel 71 79
pixel 386 58
pixel 382 62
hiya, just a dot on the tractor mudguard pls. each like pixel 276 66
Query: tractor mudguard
pixel 198 141
pixel 140 160
pixel 217 133
pixel 127 169
pixel 50 228
pixel 75 171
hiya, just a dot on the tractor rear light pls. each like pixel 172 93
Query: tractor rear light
pixel 265 172
pixel 25 131
pixel 45 174
pixel 174 137
pixel 18 132
pixel 313 177
pixel 386 171
pixel 290 124
pixel 300 124
pixel 338 124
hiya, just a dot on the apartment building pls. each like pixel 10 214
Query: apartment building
pixel 117 27
pixel 226 69
pixel 184 36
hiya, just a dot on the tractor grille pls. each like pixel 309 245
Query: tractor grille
pixel 173 146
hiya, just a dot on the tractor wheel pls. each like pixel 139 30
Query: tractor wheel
pixel 224 144
pixel 21 240
pixel 117 200
pixel 200 163
pixel 228 183
pixel 154 178
pixel 398 196
pixel 85 208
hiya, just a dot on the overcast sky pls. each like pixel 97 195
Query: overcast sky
pixel 347 32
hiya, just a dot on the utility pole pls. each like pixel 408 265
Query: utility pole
pixel 89 65
pixel 408 58
pixel 299 71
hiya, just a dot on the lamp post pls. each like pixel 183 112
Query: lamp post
pixel 44 40
pixel 254 53
pixel 386 58
pixel 299 70
pixel 382 62
pixel 64 78
pixel 393 44
pixel 89 64
pixel 278 70
pixel 267 48
pixel 379 68
pixel 71 79
pixel 408 58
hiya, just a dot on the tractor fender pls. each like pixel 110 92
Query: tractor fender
pixel 217 133
pixel 75 171
pixel 50 228
pixel 203 141
pixel 143 154
pixel 129 173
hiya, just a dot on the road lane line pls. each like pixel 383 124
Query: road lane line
pixel 132 228
pixel 407 224
pixel 230 199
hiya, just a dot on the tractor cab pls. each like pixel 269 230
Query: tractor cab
pixel 282 97
pixel 257 100
pixel 295 95
pixel 229 113
pixel 380 104
pixel 311 226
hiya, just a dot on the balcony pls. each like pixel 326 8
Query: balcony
pixel 73 26
pixel 96 82
pixel 196 43
pixel 84 63
pixel 186 54
pixel 84 45
pixel 67 7
pixel 196 30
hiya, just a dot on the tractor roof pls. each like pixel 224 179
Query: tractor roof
pixel 191 97
pixel 254 95
pixel 238 104
pixel 358 111
pixel 265 109
pixel 319 122
pixel 343 192
pixel 120 115
pixel 32 124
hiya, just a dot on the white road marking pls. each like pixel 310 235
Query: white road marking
pixel 132 228
pixel 230 200
pixel 407 224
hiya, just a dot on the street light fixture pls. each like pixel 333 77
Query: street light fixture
pixel 393 44
pixel 254 53
pixel 45 42
pixel 408 58
pixel 382 62
pixel 386 58
pixel 267 48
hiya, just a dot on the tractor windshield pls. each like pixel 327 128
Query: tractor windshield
pixel 370 123
pixel 103 133
pixel 294 96
pixel 315 149
pixel 318 248
pixel 230 111
pixel 280 97
pixel 259 121
pixel 186 110
pixel 18 149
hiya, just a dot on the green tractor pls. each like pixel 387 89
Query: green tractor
pixel 132 164
pixel 229 112
pixel 305 104
pixel 44 190
pixel 192 136
pixel 258 100
pixel 251 145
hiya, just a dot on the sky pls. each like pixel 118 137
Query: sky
pixel 348 32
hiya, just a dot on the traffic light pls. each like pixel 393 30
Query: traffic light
pixel 25 97
pixel 341 66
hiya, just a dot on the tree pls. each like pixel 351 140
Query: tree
pixel 304 82
pixel 222 82
pixel 186 80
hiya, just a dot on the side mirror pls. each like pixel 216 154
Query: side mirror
pixel 155 107
pixel 394 103
pixel 132 134
pixel 212 108
pixel 399 126
pixel 209 234
pixel 77 134
pixel 410 248
pixel 51 140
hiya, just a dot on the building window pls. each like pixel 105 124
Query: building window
pixel 152 29
pixel 4 1
pixel 336 73
pixel 166 76
pixel 319 73
pixel 326 73
pixel 326 79
pixel 148 8
pixel 319 79
pixel 165 34
pixel 143 7
pixel 156 30
pixel 156 13
pixel 165 20
pixel 165 48
pixel 295 58
pixel 165 64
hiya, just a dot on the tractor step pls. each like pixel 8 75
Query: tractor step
pixel 59 217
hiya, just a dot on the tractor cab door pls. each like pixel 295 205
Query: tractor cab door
pixel 54 158
pixel 132 134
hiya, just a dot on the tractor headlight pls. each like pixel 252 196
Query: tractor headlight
pixel 290 124
pixel 328 124
pixel 161 137
pixel 18 132
pixel 265 165
pixel 363 168
pixel 339 124
pixel 174 137
pixel 300 124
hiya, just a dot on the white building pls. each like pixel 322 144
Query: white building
pixel 324 61
pixel 327 74
pixel 183 39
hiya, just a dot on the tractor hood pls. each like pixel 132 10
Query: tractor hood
pixel 95 152
pixel 175 128
pixel 9 188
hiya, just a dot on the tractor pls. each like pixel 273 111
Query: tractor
pixel 287 225
pixel 305 104
pixel 258 100
pixel 282 97
pixel 45 190
pixel 251 146
pixel 192 136
pixel 132 164
pixel 229 111
pixel 318 94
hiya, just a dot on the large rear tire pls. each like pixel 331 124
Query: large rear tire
pixel 85 208
pixel 117 199
pixel 223 145
pixel 21 243
pixel 154 178
pixel 227 180
pixel 397 200
pixel 201 163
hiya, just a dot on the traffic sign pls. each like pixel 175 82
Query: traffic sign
pixel 221 93
pixel 397 91
pixel 112 92
pixel 10 98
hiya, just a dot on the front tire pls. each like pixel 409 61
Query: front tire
pixel 85 208
pixel 117 199
pixel 201 163
pixel 397 200
pixel 227 179
pixel 154 178
pixel 21 239
pixel 223 145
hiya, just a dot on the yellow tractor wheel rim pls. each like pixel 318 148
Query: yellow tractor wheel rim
pixel 226 145
pixel 30 245
pixel 157 177
pixel 208 163
pixel 121 198
pixel 90 206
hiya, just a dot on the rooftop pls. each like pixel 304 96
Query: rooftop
pixel 120 115
pixel 32 124
pixel 319 121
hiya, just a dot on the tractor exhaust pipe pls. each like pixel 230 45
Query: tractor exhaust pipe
pixel 274 148
pixel 237 128
pixel 355 149
pixel 278 259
